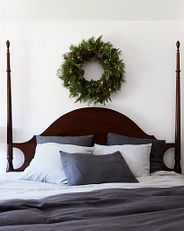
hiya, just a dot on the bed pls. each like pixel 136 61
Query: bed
pixel 111 174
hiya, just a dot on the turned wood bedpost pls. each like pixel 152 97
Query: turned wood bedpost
pixel 9 114
pixel 177 166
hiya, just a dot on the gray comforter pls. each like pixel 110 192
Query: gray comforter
pixel 110 209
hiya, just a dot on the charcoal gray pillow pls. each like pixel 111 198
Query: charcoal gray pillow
pixel 157 150
pixel 81 169
pixel 76 140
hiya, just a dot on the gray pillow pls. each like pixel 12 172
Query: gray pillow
pixel 157 150
pixel 76 140
pixel 81 169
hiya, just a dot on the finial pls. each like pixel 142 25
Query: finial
pixel 178 45
pixel 8 44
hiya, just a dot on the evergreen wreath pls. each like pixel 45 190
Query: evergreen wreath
pixel 92 91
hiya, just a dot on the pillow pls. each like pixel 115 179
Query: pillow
pixel 157 150
pixel 136 156
pixel 46 165
pixel 83 169
pixel 77 140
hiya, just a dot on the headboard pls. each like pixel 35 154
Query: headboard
pixel 97 121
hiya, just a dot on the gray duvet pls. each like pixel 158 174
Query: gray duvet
pixel 143 209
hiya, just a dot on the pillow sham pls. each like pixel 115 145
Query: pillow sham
pixel 46 165
pixel 83 169
pixel 76 140
pixel 157 150
pixel 136 156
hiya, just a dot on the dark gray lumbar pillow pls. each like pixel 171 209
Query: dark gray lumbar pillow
pixel 76 140
pixel 81 169
pixel 157 149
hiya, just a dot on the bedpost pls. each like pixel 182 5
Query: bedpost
pixel 9 114
pixel 177 166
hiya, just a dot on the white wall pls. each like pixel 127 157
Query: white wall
pixel 148 50
pixel 91 10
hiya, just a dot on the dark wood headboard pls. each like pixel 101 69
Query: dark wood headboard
pixel 91 120
pixel 85 121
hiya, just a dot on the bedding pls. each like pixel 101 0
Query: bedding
pixel 85 169
pixel 11 187
pixel 111 206
pixel 157 150
pixel 46 165
pixel 136 156
pixel 76 140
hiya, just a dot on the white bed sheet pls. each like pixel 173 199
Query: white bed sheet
pixel 13 188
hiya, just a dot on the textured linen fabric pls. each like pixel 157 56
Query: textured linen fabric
pixel 46 165
pixel 83 169
pixel 76 140
pixel 157 150
pixel 136 156
pixel 110 210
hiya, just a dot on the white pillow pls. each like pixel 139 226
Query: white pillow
pixel 136 156
pixel 46 165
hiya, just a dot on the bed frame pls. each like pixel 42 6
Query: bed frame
pixel 90 120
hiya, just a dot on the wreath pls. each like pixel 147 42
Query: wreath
pixel 92 91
